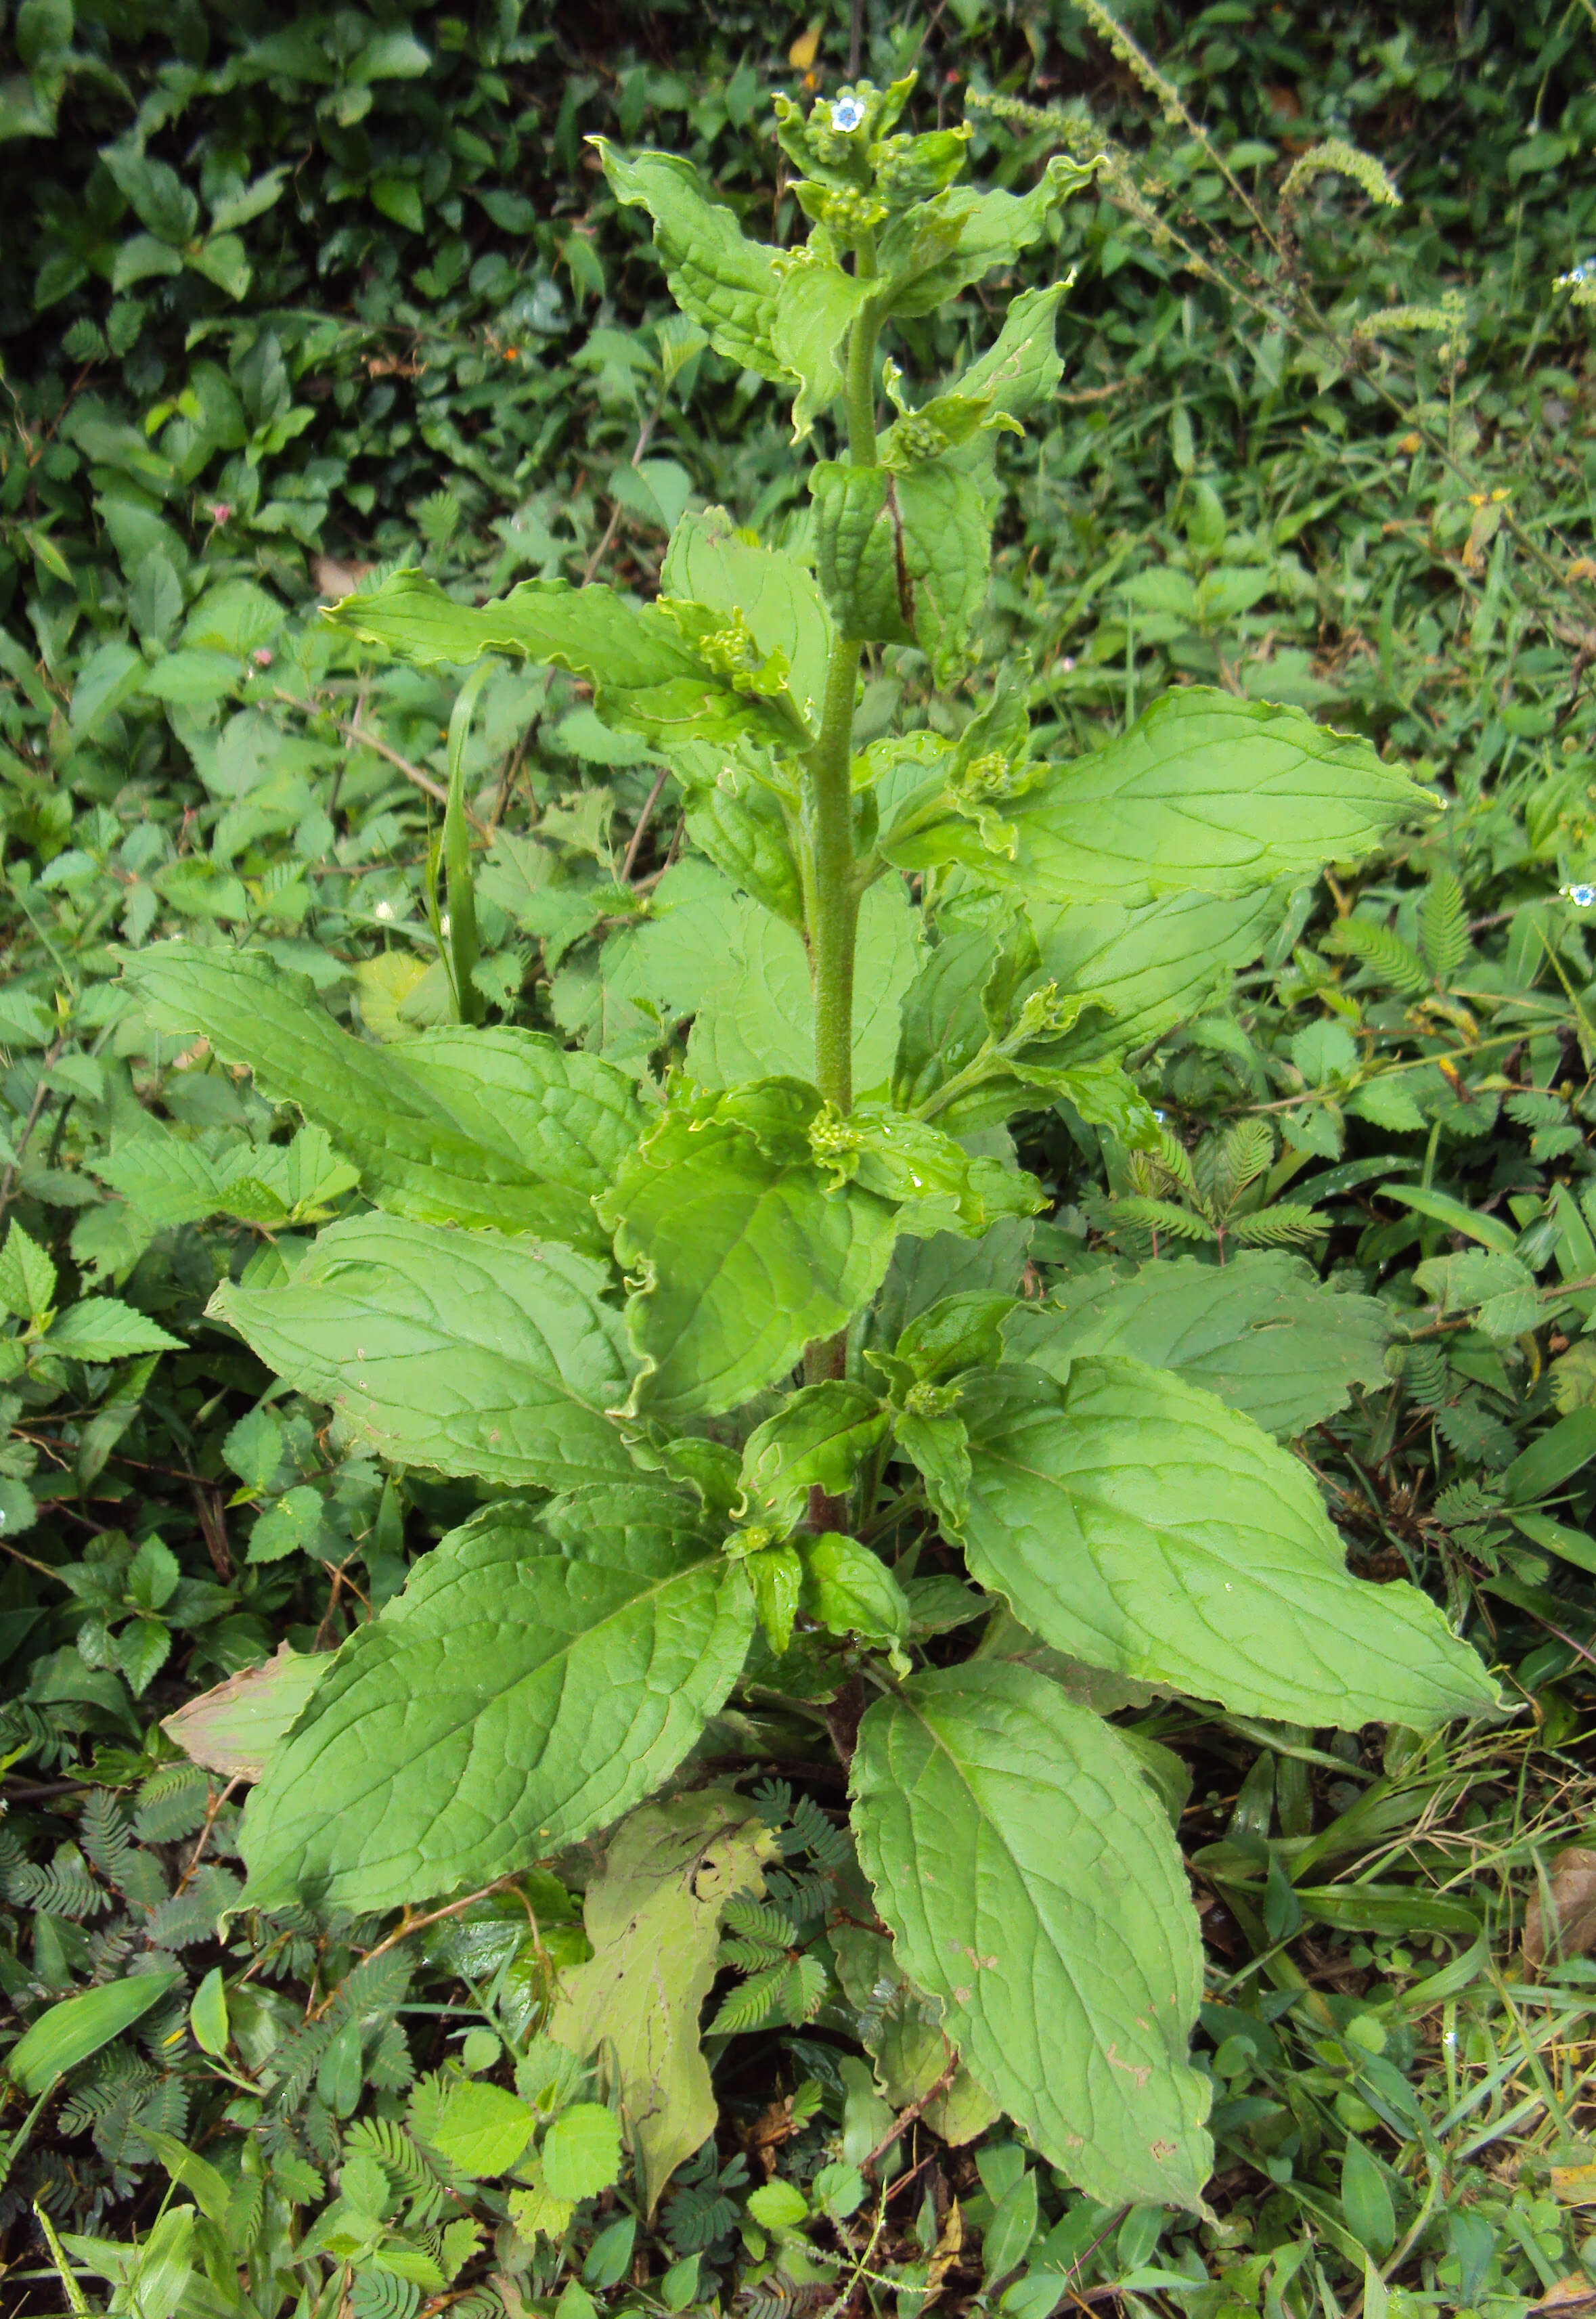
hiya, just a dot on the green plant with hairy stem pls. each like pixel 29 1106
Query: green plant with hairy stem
pixel 596 1289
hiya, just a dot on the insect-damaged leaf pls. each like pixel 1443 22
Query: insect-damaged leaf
pixel 653 1919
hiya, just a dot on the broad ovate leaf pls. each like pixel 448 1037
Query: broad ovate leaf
pixel 743 1254
pixel 903 557
pixel 711 562
pixel 1205 794
pixel 725 282
pixel 533 1681
pixel 1146 967
pixel 1032 1884
pixel 653 1918
pixel 757 1016
pixel 651 674
pixel 1134 1523
pixel 1261 1331
pixel 502 1127
pixel 467 1351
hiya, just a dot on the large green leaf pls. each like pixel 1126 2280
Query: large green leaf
pixel 903 558
pixel 725 282
pixel 1020 370
pixel 746 1257
pixel 711 562
pixel 1031 1883
pixel 1262 1331
pixel 534 1679
pixel 1151 965
pixel 500 1127
pixel 815 308
pixel 1134 1522
pixel 1205 794
pixel 649 674
pixel 756 1018
pixel 467 1351
pixel 933 250
pixel 653 1918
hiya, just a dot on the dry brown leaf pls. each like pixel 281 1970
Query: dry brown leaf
pixel 1575 2185
pixel 1571 1883
pixel 1574 2293
pixel 334 579
pixel 234 1727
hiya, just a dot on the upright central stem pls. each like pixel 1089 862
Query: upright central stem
pixel 834 914
pixel 835 918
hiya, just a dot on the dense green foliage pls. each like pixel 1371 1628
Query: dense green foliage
pixel 235 382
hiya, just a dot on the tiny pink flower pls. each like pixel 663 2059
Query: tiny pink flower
pixel 220 510
pixel 261 657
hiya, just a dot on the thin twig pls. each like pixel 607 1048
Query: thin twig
pixel 644 435
pixel 365 740
pixel 906 2117
pixel 409 1924
pixel 218 1797
pixel 644 818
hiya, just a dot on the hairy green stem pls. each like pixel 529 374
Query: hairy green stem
pixel 861 389
pixel 836 920
pixel 833 898
pixel 460 885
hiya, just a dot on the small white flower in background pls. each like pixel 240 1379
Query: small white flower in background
pixel 1582 897
pixel 384 910
pixel 846 113
pixel 443 924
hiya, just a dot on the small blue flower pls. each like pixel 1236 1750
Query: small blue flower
pixel 846 113
pixel 1583 897
pixel 1582 272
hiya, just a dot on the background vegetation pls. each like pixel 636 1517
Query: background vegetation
pixel 284 294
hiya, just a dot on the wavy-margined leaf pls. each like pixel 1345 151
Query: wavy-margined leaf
pixel 650 672
pixel 725 282
pixel 745 1255
pixel 1146 967
pixel 756 1018
pixel 533 1681
pixel 1262 1331
pixel 467 1351
pixel 815 1442
pixel 1032 1882
pixel 815 307
pixel 1134 1522
pixel 932 251
pixel 1205 794
pixel 711 562
pixel 903 557
pixel 503 1128
pixel 1020 370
